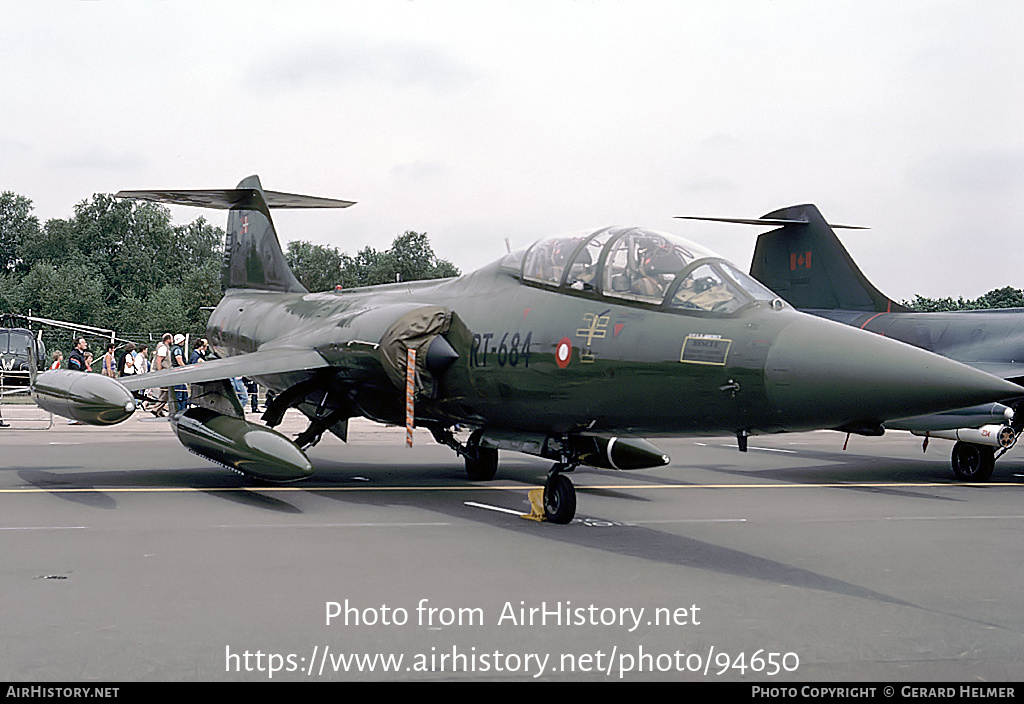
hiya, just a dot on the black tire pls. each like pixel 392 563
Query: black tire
pixel 973 463
pixel 559 499
pixel 481 464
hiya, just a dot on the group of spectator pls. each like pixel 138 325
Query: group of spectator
pixel 132 360
pixel 170 352
pixel 135 359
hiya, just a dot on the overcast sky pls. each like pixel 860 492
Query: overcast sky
pixel 477 121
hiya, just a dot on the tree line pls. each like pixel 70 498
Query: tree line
pixel 1006 297
pixel 410 258
pixel 123 265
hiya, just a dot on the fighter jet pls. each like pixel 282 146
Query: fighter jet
pixel 573 349
pixel 804 262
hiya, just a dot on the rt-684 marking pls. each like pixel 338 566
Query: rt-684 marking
pixel 512 349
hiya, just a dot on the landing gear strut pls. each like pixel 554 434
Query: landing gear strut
pixel 481 462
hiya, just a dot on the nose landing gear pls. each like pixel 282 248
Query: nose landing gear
pixel 559 495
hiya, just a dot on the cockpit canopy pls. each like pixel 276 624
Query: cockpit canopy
pixel 645 266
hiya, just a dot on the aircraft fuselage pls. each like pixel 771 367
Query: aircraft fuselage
pixel 992 340
pixel 533 359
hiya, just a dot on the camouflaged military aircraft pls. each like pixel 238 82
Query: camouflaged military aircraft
pixel 571 350
pixel 804 261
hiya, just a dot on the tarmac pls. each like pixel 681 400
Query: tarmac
pixel 126 558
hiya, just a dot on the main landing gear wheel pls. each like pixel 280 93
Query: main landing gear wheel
pixel 973 463
pixel 559 499
pixel 481 464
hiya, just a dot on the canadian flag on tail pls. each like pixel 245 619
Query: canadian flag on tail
pixel 799 261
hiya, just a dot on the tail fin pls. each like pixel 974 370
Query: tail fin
pixel 804 262
pixel 252 253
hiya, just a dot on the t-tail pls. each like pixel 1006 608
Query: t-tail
pixel 803 261
pixel 252 252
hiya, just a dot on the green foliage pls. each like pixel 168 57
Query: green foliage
pixel 1006 297
pixel 410 258
pixel 70 292
pixel 318 268
pixel 51 243
pixel 10 292
pixel 114 264
pixel 933 305
pixel 164 307
pixel 16 225
pixel 200 288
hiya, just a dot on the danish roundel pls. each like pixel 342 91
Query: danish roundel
pixel 563 352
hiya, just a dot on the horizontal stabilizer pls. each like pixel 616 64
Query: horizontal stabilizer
pixel 228 198
pixel 770 222
pixel 804 262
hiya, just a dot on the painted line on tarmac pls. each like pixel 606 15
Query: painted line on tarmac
pixel 474 504
pixel 690 520
pixel 419 524
pixel 508 487
pixel 43 527
pixel 946 518
pixel 751 447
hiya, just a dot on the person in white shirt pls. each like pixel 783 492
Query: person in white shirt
pixel 162 361
pixel 142 360
pixel 126 362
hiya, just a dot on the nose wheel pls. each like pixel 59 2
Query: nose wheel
pixel 559 496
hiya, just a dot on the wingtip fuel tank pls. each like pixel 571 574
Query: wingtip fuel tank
pixel 94 399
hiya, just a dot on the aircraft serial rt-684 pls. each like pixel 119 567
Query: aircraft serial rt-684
pixel 572 350
pixel 804 262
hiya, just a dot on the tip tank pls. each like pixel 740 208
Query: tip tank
pixel 90 398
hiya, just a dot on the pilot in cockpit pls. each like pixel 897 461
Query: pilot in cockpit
pixel 657 264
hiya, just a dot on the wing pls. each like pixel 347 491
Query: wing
pixel 259 363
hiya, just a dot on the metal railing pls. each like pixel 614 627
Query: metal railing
pixel 18 414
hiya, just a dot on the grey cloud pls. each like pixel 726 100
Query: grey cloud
pixel 97 160
pixel 417 170
pixel 397 65
pixel 11 149
pixel 709 185
pixel 988 171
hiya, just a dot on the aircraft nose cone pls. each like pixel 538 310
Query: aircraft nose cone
pixel 823 374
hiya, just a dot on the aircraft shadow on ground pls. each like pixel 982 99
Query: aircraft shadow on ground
pixel 827 474
pixel 57 484
pixel 93 488
pixel 629 540
pixel 861 469
pixel 616 538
